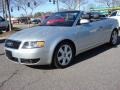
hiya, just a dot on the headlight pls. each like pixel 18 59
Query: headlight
pixel 34 44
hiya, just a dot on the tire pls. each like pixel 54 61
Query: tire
pixel 7 29
pixel 63 55
pixel 114 38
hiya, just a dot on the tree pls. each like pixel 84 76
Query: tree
pixel 38 14
pixel 34 4
pixel 20 4
pixel 74 4
pixel 3 8
pixel 107 3
pixel 91 6
pixel 116 3
pixel 27 4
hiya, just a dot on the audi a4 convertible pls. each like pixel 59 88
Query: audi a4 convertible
pixel 57 43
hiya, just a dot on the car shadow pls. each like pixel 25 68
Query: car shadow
pixel 83 56
pixel 91 53
pixel 42 67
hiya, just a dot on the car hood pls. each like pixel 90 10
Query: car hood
pixel 39 32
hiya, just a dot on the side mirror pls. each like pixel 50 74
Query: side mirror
pixel 84 21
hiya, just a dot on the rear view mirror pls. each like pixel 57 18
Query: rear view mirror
pixel 84 21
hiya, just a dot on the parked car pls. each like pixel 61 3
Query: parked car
pixel 14 20
pixel 97 13
pixel 58 44
pixel 36 21
pixel 116 15
pixel 25 20
pixel 55 19
pixel 44 17
pixel 4 25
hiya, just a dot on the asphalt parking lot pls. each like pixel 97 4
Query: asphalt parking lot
pixel 97 69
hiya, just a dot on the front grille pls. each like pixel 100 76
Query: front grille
pixel 12 44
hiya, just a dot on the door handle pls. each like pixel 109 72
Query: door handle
pixel 93 30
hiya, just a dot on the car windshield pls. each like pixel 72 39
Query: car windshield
pixel 61 19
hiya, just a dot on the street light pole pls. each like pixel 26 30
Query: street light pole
pixel 4 9
pixel 9 15
pixel 58 5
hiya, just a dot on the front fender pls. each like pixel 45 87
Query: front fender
pixel 53 45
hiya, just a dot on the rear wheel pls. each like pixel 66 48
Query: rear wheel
pixel 63 55
pixel 114 38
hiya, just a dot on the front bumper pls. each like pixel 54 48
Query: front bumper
pixel 37 56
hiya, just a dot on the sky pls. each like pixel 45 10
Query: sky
pixel 48 7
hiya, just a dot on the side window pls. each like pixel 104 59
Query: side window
pixel 113 14
pixel 95 17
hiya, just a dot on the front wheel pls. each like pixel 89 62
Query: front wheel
pixel 63 55
pixel 114 38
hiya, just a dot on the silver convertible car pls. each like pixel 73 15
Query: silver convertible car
pixel 60 37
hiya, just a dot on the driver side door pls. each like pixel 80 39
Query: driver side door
pixel 86 35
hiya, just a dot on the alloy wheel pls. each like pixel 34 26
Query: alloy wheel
pixel 114 37
pixel 64 55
